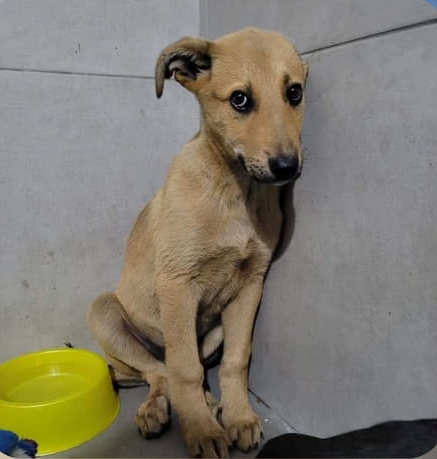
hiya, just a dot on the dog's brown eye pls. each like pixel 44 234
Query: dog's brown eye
pixel 240 101
pixel 295 94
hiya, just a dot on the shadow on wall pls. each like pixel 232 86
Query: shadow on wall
pixel 287 231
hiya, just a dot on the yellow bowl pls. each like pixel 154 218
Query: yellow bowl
pixel 58 397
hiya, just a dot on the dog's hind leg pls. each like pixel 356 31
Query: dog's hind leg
pixel 131 361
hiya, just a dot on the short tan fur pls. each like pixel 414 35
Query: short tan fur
pixel 197 255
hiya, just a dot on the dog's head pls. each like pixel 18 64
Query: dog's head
pixel 249 85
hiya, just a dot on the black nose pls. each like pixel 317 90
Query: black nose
pixel 284 167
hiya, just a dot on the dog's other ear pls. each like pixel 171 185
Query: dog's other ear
pixel 187 59
pixel 306 69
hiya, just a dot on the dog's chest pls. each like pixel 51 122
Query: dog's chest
pixel 222 278
pixel 239 256
pixel 235 248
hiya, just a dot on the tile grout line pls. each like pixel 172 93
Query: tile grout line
pixel 364 38
pixel 72 73
pixel 260 400
pixel 203 26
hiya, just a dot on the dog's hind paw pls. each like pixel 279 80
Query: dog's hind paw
pixel 153 416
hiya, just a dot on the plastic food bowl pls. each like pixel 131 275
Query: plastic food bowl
pixel 58 397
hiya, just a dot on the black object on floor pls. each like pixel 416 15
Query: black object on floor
pixel 389 439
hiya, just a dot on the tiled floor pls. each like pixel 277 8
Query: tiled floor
pixel 122 439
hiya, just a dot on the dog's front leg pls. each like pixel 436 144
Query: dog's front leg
pixel 239 420
pixel 202 433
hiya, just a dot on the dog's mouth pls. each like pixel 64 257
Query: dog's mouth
pixel 255 172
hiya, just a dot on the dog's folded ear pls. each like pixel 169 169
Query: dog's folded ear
pixel 187 59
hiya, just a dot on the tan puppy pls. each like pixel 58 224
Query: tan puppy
pixel 198 253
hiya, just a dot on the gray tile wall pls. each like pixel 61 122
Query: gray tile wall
pixel 81 152
pixel 96 36
pixel 81 156
pixel 346 335
pixel 313 24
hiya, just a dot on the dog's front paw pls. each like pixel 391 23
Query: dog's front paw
pixel 206 439
pixel 243 428
pixel 153 416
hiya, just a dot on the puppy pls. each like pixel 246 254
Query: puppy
pixel 198 253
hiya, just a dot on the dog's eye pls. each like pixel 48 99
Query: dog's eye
pixel 240 101
pixel 295 94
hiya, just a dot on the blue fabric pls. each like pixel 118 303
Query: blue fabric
pixel 9 441
pixel 29 447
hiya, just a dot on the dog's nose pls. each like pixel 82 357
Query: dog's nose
pixel 284 167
